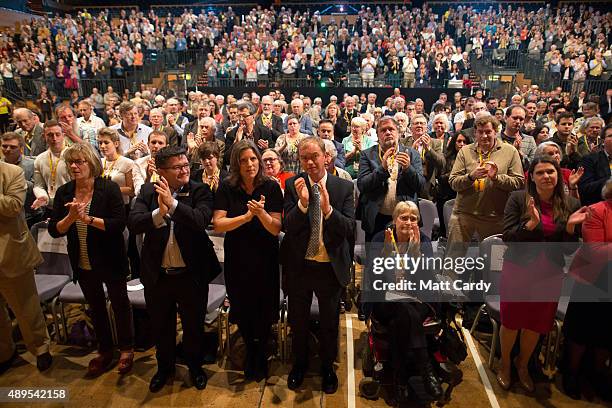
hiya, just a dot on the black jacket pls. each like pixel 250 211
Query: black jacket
pixel 338 230
pixel 596 173
pixel 259 132
pixel 191 217
pixel 559 244
pixel 106 249
pixel 277 127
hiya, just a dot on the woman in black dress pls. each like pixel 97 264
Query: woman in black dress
pixel 248 207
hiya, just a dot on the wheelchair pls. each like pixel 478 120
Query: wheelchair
pixel 378 371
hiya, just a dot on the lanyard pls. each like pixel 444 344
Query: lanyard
pixel 53 167
pixel 479 184
pixel 107 172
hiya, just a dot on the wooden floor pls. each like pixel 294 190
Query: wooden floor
pixel 226 387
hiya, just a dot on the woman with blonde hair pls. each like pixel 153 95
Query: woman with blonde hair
pixel 355 143
pixel 90 212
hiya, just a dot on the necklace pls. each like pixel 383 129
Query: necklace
pixel 107 171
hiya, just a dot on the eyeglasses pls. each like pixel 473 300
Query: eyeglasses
pixel 270 160
pixel 78 162
pixel 179 167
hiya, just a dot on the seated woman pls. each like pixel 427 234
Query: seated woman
pixel 587 327
pixel 541 214
pixel 90 212
pixel 209 173
pixel 275 168
pixel 404 318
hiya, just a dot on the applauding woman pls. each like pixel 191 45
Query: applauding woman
pixel 89 211
pixel 118 168
pixel 248 207
pixel 532 274
pixel 275 168
pixel 210 173
pixel 287 144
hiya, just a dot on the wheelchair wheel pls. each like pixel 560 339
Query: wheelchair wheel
pixel 367 361
pixel 369 388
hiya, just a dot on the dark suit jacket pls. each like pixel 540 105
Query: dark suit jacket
pixel 338 230
pixel 259 132
pixel 596 173
pixel 515 218
pixel 37 144
pixel 106 249
pixel 191 217
pixel 372 183
pixel 277 126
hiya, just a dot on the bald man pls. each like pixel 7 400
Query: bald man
pixel 31 130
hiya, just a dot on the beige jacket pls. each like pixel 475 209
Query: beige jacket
pixel 18 251
pixel 492 200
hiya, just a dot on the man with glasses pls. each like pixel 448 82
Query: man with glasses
pixel 12 150
pixel 525 144
pixel 268 119
pixel 247 129
pixel 178 261
pixel 133 135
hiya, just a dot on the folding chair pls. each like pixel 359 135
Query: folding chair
pixel 491 249
pixel 55 272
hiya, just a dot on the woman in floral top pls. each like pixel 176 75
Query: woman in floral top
pixel 287 145
pixel 355 143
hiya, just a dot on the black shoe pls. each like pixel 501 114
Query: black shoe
pixel 160 378
pixel 5 365
pixel 329 380
pixel 43 362
pixel 402 393
pixel 198 377
pixel 296 377
pixel 431 382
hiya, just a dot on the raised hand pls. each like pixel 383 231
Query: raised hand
pixel 426 141
pixel 191 143
pixel 73 209
pixel 262 144
pixel 325 205
pixel 39 202
pixel 534 215
pixel 302 191
pixel 403 159
pixel 385 158
pixel 163 190
pixel 491 170
pixel 575 177
pixel 579 216
pixel 257 208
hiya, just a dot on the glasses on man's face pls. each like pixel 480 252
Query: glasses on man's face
pixel 180 167
pixel 270 159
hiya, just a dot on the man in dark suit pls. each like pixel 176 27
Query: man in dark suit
pixel 316 253
pixel 178 261
pixel 383 183
pixel 270 120
pixel 202 110
pixel 597 170
pixel 346 116
pixel 31 130
pixel 260 135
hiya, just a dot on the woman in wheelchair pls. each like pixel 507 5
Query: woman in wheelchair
pixel 405 321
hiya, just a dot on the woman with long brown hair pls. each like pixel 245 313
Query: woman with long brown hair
pixel 542 214
pixel 248 207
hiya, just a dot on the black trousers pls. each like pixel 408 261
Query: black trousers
pixel 191 297
pixel 320 279
pixel 408 343
pixel 91 285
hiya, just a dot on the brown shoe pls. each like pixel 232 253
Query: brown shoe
pixel 99 364
pixel 126 362
pixel 524 377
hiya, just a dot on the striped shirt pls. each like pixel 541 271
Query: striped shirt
pixel 82 233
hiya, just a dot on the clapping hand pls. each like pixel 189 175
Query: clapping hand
pixel 325 205
pixel 39 202
pixel 302 191
pixel 385 159
pixel 257 208
pixel 164 196
pixel 534 215
pixel 572 143
pixel 491 169
pixel 577 217
pixel 517 142
pixel 403 159
pixel 262 144
pixel 425 141
pixel 151 168
pixel 191 143
pixel 73 209
pixel 575 177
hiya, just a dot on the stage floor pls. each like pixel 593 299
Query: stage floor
pixel 226 386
